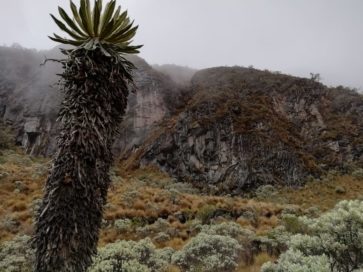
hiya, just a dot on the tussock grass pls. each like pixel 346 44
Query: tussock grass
pixel 145 196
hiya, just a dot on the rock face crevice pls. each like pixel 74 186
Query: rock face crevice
pixel 219 156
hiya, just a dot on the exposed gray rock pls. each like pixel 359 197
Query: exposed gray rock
pixel 244 128
pixel 30 97
pixel 233 130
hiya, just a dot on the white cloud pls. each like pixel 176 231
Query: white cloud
pixel 297 37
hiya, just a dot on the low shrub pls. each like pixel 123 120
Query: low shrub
pixel 313 211
pixel 6 136
pixel 9 224
pixel 206 213
pixel 333 242
pixel 293 224
pixel 250 215
pixel 160 225
pixel 16 255
pixel 358 173
pixel 266 192
pixel 275 242
pixel 130 256
pixel 230 229
pixel 295 261
pixel 291 209
pixel 161 237
pixel 123 225
pixel 208 252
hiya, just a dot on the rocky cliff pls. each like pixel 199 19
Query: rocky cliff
pixel 232 130
pixel 29 99
pixel 243 128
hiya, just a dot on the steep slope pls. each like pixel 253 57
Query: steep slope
pixel 29 99
pixel 243 128
pixel 232 130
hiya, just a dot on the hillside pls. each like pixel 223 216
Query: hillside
pixel 217 174
pixel 147 206
pixel 232 129
pixel 243 128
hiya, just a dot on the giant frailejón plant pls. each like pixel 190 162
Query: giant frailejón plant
pixel 95 82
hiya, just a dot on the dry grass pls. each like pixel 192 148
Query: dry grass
pixel 323 194
pixel 17 197
pixel 144 195
pixel 260 259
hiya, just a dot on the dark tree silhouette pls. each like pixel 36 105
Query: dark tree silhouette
pixel 95 82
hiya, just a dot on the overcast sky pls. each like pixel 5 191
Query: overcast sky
pixel 291 36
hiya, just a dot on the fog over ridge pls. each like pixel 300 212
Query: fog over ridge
pixel 294 37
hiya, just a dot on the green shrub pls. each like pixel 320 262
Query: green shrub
pixel 3 175
pixel 230 229
pixel 195 225
pixel 291 209
pixel 250 215
pixel 206 213
pixel 161 237
pixel 129 197
pixel 130 256
pixel 266 192
pixel 10 224
pixel 16 255
pixel 293 224
pixel 295 261
pixel 334 242
pixel 35 207
pixel 276 241
pixel 313 211
pixel 207 252
pixel 6 136
pixel 123 225
pixel 233 230
pixel 358 173
pixel 160 225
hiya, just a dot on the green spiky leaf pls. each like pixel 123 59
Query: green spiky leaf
pixel 77 17
pixel 110 29
pixel 97 10
pixel 70 22
pixel 90 20
pixel 56 38
pixel 107 16
pixel 84 18
pixel 65 29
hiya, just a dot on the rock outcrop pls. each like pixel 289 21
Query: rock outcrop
pixel 232 130
pixel 244 128
pixel 29 100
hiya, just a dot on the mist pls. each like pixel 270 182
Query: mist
pixel 294 37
